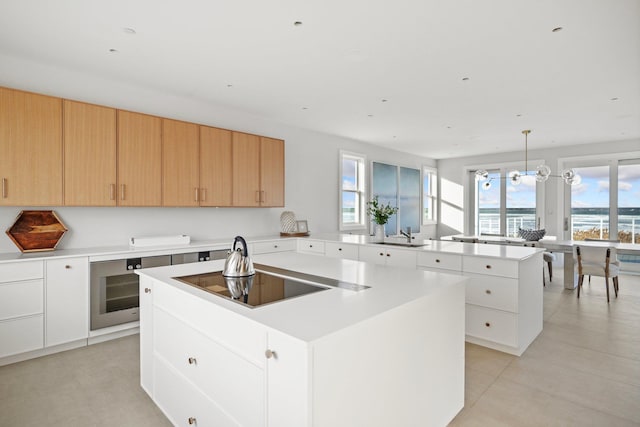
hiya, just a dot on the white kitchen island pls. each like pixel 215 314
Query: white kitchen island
pixel 392 354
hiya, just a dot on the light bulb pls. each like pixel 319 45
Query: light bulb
pixel 542 173
pixel 515 177
pixel 482 175
pixel 575 180
pixel 486 185
pixel 568 174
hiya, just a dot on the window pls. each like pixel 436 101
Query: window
pixel 398 186
pixel 352 191
pixel 429 195
pixel 502 208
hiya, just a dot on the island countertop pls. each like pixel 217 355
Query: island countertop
pixel 316 315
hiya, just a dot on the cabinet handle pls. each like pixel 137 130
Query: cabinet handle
pixel 192 420
pixel 121 191
pixel 147 290
pixel 270 353
pixel 388 254
pixel 488 291
pixel 275 246
pixel 488 267
pixel 192 361
pixel 339 249
pixel 381 254
pixel 68 267
pixel 112 191
pixel 310 246
pixel 197 194
pixel 437 260
pixel 4 188
pixel 487 324
pixel 264 196
pixel 203 194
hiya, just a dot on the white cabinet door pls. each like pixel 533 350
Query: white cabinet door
pixel 288 372
pixel 146 334
pixel 67 301
pixel 311 246
pixel 401 258
pixel 341 250
pixel 274 246
pixel 372 254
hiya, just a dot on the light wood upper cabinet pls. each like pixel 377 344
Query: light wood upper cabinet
pixel 30 149
pixel 89 155
pixel 271 171
pixel 180 165
pixel 139 159
pixel 246 169
pixel 216 176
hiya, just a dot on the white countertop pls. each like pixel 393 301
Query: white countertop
pixel 315 315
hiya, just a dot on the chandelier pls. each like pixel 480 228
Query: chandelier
pixel 543 172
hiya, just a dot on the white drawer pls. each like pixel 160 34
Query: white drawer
pixel 274 246
pixel 21 298
pixel 341 250
pixel 234 384
pixel 181 401
pixel 21 271
pixel 313 246
pixel 492 266
pixel 492 291
pixel 492 325
pixel 233 331
pixel 440 261
pixel 21 335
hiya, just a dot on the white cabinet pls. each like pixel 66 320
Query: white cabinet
pixel 440 261
pixel 146 334
pixel 311 246
pixel 21 307
pixel 387 256
pixel 341 250
pixel 274 246
pixel 67 301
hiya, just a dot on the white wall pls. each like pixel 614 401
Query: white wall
pixel 452 174
pixel 311 166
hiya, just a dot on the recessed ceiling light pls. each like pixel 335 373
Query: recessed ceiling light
pixel 394 137
pixel 556 29
pixel 448 127
pixel 229 85
pixel 113 50
pixel 129 30
pixel 614 99
pixel 297 23
pixel 305 108
pixel 369 115
pixel 464 79
pixel 518 115
pixel 383 100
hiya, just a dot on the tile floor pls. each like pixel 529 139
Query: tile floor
pixel 583 370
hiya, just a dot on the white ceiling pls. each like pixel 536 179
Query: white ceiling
pixel 332 73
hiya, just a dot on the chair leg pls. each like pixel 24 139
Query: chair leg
pixel 579 285
pixel 544 282
pixel 615 285
pixel 550 271
pixel 606 279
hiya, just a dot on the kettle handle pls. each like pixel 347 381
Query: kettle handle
pixel 245 251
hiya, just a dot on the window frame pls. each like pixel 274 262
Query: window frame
pixel 360 192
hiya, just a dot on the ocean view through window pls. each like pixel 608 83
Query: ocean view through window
pixel 352 189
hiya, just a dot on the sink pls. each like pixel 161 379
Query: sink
pixel 404 244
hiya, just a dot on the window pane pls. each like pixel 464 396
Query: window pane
pixel 590 204
pixel 385 186
pixel 349 207
pixel 410 199
pixel 349 174
pixel 521 205
pixel 629 203
pixel 488 221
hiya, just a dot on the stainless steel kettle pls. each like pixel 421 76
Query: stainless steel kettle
pixel 238 263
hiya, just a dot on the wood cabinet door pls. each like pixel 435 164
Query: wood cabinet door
pixel 89 154
pixel 246 169
pixel 216 177
pixel 30 149
pixel 271 171
pixel 180 165
pixel 139 159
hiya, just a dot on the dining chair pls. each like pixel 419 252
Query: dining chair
pixel 597 261
pixel 616 262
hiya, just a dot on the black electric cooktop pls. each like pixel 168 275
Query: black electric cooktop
pixel 268 285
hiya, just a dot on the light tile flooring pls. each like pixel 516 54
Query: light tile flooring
pixel 583 370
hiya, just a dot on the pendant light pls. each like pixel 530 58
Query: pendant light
pixel 543 172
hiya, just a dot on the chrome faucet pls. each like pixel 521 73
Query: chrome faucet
pixel 407 234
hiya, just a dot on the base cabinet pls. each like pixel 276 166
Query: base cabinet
pixel 391 257
pixel 67 300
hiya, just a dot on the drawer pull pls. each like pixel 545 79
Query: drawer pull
pixel 339 249
pixel 270 354
pixel 275 246
pixel 381 254
pixel 488 266
pixel 147 290
pixel 310 246
pixel 192 361
pixel 488 292
pixel 192 420
pixel 68 267
pixel 487 324
pixel 437 260
pixel 388 254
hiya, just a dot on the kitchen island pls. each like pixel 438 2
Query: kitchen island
pixel 380 346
